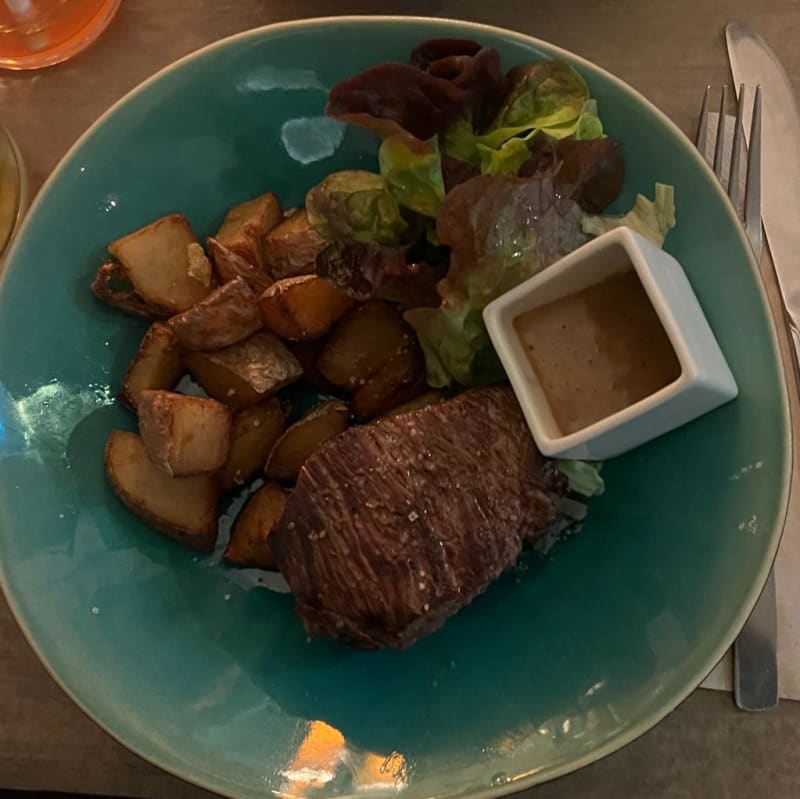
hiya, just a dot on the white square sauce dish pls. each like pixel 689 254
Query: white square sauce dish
pixel 608 348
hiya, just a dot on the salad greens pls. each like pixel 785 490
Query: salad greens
pixel 547 97
pixel 507 173
pixel 355 204
pixel 412 170
pixel 653 219
pixel 584 476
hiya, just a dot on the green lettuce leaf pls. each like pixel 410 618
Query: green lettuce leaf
pixel 412 170
pixel 506 160
pixel 588 125
pixel 653 219
pixel 543 94
pixel 549 97
pixel 460 141
pixel 584 476
pixel 500 230
pixel 355 205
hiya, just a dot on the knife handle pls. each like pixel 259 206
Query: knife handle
pixel 755 676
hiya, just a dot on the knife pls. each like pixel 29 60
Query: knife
pixel 753 63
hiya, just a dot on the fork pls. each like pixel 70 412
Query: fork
pixel 755 678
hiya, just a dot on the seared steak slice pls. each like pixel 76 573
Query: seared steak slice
pixel 395 526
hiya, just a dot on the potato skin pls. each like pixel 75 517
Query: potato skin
pixel 182 508
pixel 156 365
pixel 156 261
pixel 302 439
pixel 362 343
pixel 400 380
pixel 244 373
pixel 125 299
pixel 230 265
pixel 249 542
pixel 246 224
pixel 253 434
pixel 302 308
pixel 291 248
pixel 226 316
pixel 184 435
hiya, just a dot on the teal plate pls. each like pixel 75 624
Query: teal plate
pixel 200 670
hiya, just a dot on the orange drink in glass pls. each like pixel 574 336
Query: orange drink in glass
pixel 38 33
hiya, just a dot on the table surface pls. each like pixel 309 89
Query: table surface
pixel 669 51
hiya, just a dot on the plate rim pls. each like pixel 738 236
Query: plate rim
pixel 635 731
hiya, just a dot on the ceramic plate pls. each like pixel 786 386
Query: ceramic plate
pixel 202 671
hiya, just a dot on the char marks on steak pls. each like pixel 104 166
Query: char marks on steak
pixel 395 526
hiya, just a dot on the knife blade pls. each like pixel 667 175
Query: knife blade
pixel 753 62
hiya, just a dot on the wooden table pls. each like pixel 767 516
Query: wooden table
pixel 669 51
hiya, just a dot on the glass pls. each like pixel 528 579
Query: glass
pixel 38 33
pixel 12 188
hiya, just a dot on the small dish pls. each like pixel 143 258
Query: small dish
pixel 702 379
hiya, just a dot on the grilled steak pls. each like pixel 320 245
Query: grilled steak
pixel 395 526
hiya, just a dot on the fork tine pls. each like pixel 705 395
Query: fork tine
pixel 734 176
pixel 720 134
pixel 752 192
pixel 702 125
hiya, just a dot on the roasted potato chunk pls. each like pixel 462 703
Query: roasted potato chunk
pixel 291 247
pixel 113 286
pixel 227 315
pixel 156 261
pixel 229 266
pixel 253 434
pixel 422 401
pixel 156 365
pixel 183 508
pixel 184 435
pixel 363 342
pixel 249 544
pixel 245 373
pixel 245 226
pixel 304 438
pixel 305 307
pixel 401 379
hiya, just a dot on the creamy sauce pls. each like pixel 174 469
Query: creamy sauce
pixel 597 351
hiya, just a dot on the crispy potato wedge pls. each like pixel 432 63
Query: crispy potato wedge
pixel 245 226
pixel 156 261
pixel 422 401
pixel 229 266
pixel 304 438
pixel 112 285
pixel 291 247
pixel 304 307
pixel 400 380
pixel 183 508
pixel 253 434
pixel 249 542
pixel 184 435
pixel 363 342
pixel 227 315
pixel 156 365
pixel 245 373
